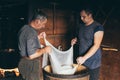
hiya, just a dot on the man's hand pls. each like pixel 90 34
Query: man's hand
pixel 80 60
pixel 73 41
pixel 42 35
pixel 47 49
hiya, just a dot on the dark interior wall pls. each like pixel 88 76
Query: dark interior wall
pixel 106 14
pixel 11 20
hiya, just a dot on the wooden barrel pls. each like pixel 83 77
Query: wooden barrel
pixel 81 74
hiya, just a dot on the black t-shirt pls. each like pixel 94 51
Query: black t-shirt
pixel 86 41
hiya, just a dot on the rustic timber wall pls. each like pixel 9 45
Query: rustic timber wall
pixel 60 25
pixel 110 69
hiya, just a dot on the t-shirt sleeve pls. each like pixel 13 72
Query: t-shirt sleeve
pixel 99 28
pixel 32 45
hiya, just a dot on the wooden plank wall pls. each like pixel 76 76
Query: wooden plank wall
pixel 59 27
pixel 110 69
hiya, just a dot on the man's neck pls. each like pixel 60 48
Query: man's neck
pixel 90 22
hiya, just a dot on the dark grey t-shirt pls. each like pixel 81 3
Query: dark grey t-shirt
pixel 28 41
pixel 86 40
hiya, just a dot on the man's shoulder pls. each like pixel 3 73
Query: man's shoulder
pixel 98 26
pixel 97 23
pixel 26 26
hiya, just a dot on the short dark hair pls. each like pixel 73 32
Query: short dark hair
pixel 88 11
pixel 39 15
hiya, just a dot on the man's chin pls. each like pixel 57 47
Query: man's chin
pixel 39 29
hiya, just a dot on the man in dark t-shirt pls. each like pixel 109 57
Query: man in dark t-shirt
pixel 29 47
pixel 90 36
